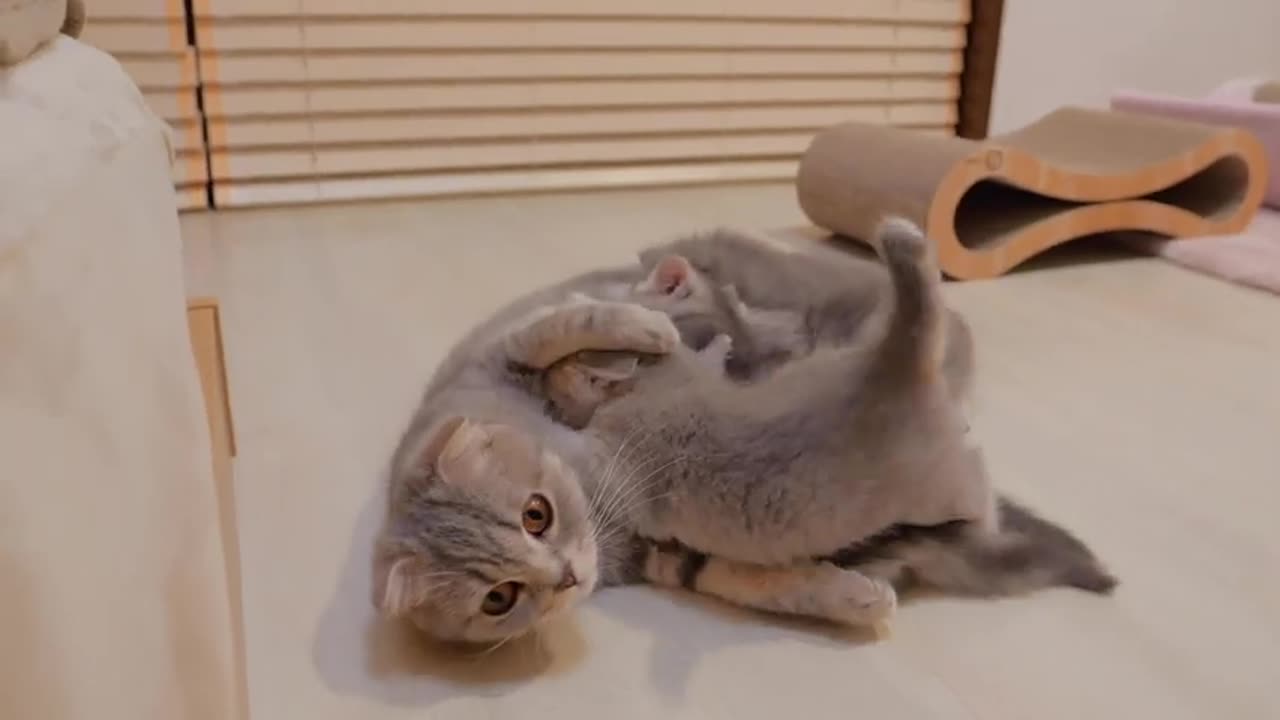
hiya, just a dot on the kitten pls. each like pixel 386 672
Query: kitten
pixel 832 297
pixel 743 342
pixel 703 310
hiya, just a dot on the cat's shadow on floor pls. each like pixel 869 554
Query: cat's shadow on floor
pixel 357 654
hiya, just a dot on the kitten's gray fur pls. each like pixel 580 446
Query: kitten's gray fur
pixel 833 297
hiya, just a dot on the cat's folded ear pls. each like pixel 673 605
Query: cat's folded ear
pixel 447 440
pixel 400 584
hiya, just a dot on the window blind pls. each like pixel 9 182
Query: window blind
pixel 308 100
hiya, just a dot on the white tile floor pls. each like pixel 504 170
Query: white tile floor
pixel 1132 401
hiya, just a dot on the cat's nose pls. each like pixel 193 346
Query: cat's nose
pixel 567 580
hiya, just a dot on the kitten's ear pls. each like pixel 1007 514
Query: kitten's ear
pixel 399 584
pixel 672 276
pixel 607 367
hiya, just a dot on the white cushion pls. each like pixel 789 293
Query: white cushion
pixel 114 599
pixel 66 109
pixel 25 24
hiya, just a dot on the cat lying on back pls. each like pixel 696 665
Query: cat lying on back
pixel 497 517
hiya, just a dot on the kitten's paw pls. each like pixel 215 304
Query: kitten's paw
pixel 855 599
pixel 716 351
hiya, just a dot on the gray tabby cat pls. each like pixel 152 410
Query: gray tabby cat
pixel 498 518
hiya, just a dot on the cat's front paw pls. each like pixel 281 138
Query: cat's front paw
pixel 854 599
pixel 644 330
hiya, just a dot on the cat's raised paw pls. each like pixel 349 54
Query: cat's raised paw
pixel 646 330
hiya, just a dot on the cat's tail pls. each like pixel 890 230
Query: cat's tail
pixel 916 333
pixel 1026 553
pixel 958 359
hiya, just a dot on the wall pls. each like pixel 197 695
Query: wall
pixel 1076 52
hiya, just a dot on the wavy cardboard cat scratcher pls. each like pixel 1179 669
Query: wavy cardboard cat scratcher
pixel 990 205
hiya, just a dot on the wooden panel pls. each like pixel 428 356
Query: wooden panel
pixel 982 45
pixel 205 328
pixel 206 343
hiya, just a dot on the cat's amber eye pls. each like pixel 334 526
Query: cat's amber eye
pixel 500 599
pixel 536 517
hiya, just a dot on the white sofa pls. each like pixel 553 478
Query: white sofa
pixel 114 592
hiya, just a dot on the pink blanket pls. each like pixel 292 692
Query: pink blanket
pixel 1233 104
pixel 1249 258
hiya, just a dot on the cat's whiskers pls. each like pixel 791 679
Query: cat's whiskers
pixel 619 482
pixel 625 487
pixel 619 485
pixel 620 532
pixel 606 476
pixel 641 502
pixel 609 485
pixel 635 491
pixel 607 529
pixel 617 526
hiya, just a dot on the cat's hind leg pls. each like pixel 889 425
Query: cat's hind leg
pixel 818 590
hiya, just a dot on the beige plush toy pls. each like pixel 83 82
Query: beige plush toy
pixel 27 24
